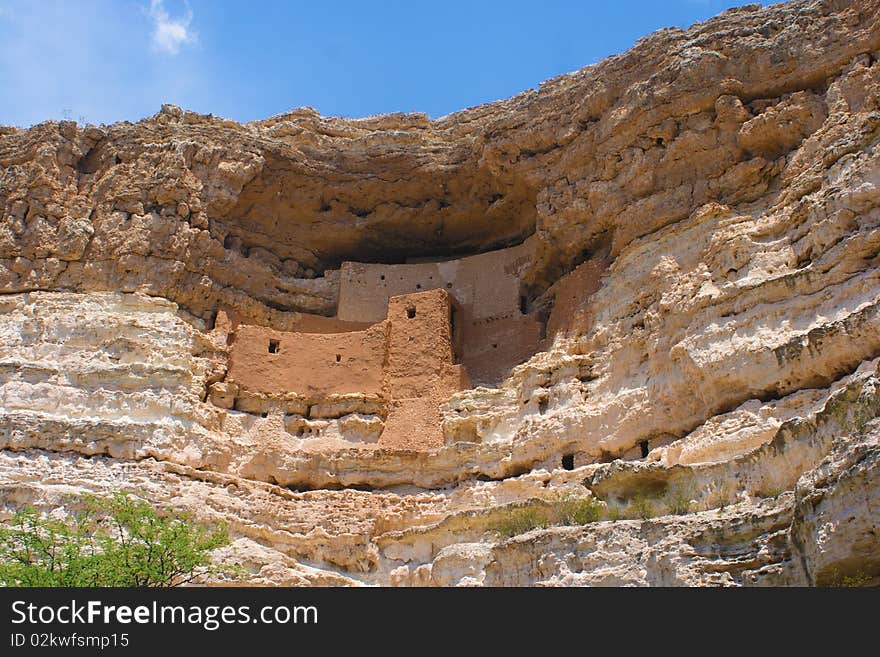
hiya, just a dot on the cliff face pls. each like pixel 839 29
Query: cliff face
pixel 706 215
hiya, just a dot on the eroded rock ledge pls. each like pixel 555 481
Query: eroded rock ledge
pixel 703 219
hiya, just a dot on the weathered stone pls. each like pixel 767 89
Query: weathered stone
pixel 684 244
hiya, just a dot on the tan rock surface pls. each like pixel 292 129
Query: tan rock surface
pixel 706 218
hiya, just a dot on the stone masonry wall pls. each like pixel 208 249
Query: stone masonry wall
pixel 311 364
pixel 487 283
pixel 493 333
pixel 406 361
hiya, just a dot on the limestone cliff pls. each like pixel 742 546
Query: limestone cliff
pixel 704 211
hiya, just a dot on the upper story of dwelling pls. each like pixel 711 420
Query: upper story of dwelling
pixel 485 286
pixel 491 332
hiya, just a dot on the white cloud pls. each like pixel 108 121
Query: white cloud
pixel 169 34
pixel 36 42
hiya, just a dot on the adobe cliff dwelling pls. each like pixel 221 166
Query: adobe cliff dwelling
pixel 403 339
pixel 621 329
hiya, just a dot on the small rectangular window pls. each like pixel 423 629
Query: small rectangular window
pixel 274 345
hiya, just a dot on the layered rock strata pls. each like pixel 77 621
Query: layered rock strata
pixel 705 216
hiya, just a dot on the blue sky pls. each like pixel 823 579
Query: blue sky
pixel 109 60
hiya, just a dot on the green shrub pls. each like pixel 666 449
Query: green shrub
pixel 566 509
pixel 113 541
pixel 854 580
pixel 642 507
pixel 769 490
pixel 678 500
pixel 522 519
pixel 611 513
pixel 576 510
